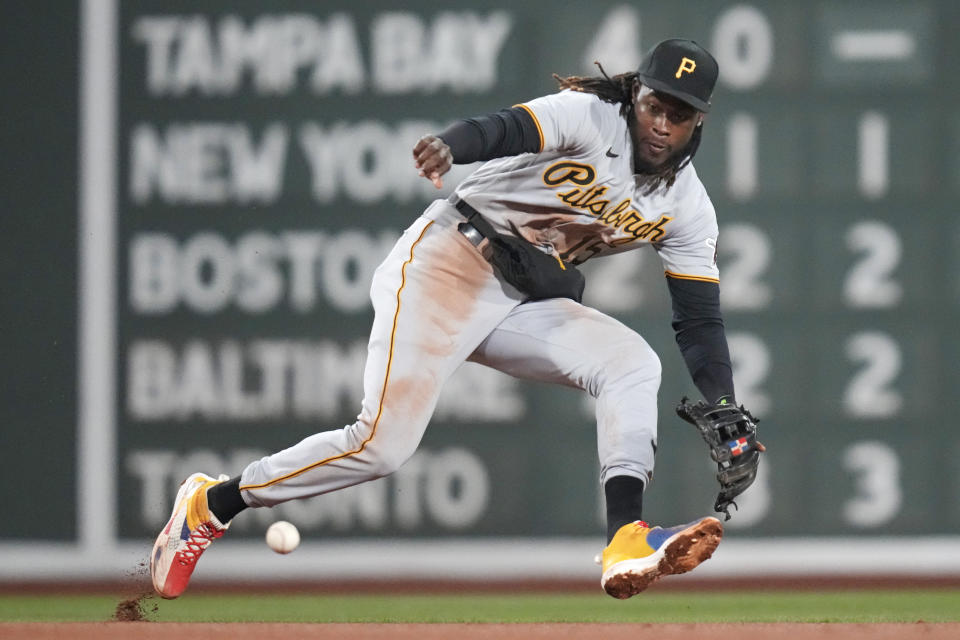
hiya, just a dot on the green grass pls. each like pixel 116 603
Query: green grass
pixel 739 606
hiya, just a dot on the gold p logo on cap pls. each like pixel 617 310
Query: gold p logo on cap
pixel 687 65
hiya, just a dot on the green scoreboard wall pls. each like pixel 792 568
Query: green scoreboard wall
pixel 262 170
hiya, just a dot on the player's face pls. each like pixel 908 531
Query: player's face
pixel 663 127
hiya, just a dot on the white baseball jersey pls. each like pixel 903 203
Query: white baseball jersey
pixel 579 198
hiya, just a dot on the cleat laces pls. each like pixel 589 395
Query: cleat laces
pixel 197 543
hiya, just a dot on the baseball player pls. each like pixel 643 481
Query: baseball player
pixel 489 275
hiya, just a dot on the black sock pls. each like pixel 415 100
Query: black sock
pixel 624 502
pixel 224 500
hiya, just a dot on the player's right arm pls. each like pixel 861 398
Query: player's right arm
pixel 508 132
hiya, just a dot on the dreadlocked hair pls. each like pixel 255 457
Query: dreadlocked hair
pixel 619 90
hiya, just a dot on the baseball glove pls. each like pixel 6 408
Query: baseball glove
pixel 731 433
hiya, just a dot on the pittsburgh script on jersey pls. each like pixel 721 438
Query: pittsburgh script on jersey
pixel 589 198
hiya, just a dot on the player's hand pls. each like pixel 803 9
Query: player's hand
pixel 432 158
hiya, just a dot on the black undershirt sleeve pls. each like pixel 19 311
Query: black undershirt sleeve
pixel 508 132
pixel 698 324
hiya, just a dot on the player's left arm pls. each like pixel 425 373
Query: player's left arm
pixel 730 430
pixel 698 323
pixel 508 132
pixel 689 254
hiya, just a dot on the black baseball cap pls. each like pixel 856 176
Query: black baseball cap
pixel 683 69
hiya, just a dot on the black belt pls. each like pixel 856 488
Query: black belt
pixel 475 229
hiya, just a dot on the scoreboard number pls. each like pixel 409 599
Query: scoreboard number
pixel 875 467
pixel 870 282
pixel 870 393
pixel 747 252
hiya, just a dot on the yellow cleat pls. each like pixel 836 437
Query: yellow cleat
pixel 639 554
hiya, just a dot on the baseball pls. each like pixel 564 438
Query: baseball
pixel 283 537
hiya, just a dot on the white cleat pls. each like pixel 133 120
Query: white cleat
pixel 188 533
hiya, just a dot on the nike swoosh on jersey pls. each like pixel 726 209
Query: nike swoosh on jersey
pixel 611 154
